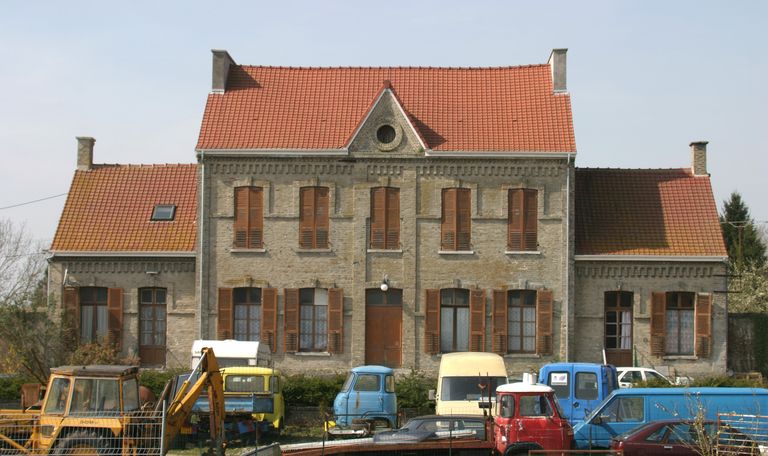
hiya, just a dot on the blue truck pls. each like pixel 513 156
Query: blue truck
pixel 580 387
pixel 366 401
pixel 626 409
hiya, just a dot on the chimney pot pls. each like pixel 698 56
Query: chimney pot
pixel 557 67
pixel 85 153
pixel 221 63
pixel 699 158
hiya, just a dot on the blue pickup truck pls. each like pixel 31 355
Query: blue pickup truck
pixel 580 387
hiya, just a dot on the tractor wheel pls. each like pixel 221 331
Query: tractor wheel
pixel 84 443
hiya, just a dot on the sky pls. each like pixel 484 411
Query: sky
pixel 646 78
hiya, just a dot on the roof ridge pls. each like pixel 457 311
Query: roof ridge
pixel 587 168
pixel 400 67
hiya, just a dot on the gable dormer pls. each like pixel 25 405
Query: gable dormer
pixel 386 129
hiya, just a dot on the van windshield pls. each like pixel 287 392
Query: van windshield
pixel 469 388
pixel 348 382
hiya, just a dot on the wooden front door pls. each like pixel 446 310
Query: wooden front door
pixel 618 327
pixel 383 327
pixel 152 325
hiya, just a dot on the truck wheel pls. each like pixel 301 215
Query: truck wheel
pixel 83 443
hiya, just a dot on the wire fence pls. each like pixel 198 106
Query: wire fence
pixel 740 434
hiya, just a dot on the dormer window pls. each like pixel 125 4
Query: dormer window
pixel 163 212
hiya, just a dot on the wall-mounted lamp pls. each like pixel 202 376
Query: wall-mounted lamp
pixel 384 283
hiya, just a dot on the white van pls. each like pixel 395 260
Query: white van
pixel 466 379
pixel 233 353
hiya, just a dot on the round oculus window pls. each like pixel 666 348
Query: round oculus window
pixel 386 134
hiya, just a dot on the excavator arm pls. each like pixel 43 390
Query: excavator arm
pixel 205 377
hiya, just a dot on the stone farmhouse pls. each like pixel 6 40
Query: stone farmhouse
pixel 385 216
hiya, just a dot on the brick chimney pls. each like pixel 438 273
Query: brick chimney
pixel 699 158
pixel 221 63
pixel 85 153
pixel 557 66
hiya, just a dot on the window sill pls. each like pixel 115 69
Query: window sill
pixel 522 252
pixel 314 250
pixel 455 252
pixel 680 357
pixel 239 250
pixel 385 250
pixel 522 356
pixel 315 354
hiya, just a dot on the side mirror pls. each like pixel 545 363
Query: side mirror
pixel 432 395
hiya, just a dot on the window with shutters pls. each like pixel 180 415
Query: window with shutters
pixel 249 218
pixel 313 326
pixel 680 323
pixel 456 227
pixel 94 319
pixel 522 220
pixel 521 321
pixel 385 218
pixel 313 218
pixel 454 320
pixel 246 303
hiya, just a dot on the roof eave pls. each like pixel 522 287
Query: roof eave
pixel 280 152
pixel 124 253
pixel 677 258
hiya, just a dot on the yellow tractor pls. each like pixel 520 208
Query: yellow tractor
pixel 95 411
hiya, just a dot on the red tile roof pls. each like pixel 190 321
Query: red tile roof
pixel 109 207
pixel 455 109
pixel 646 212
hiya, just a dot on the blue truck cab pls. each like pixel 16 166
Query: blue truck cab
pixel 580 387
pixel 629 408
pixel 368 395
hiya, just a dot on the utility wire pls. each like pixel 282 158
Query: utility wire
pixel 33 201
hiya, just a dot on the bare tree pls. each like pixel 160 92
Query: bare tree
pixel 21 263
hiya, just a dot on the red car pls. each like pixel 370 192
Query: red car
pixel 683 438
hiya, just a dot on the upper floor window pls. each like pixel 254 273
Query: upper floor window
pixel 249 218
pixel 313 218
pixel 456 227
pixel 246 303
pixel 522 221
pixel 385 218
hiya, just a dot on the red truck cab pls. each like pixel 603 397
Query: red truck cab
pixel 528 417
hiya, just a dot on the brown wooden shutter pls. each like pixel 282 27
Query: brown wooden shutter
pixel 448 222
pixel 307 217
pixel 544 323
pixel 335 320
pixel 464 219
pixel 499 325
pixel 658 323
pixel 703 325
pixel 115 316
pixel 255 218
pixel 432 322
pixel 393 218
pixel 240 226
pixel 378 218
pixel 71 314
pixel 322 224
pixel 477 320
pixel 291 320
pixel 515 223
pixel 530 241
pixel 269 317
pixel 225 322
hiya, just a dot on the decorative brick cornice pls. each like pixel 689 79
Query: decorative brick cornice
pixel 646 271
pixel 298 167
pixel 486 169
pixel 105 266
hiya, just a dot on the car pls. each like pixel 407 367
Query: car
pixel 684 438
pixel 629 376
pixel 435 427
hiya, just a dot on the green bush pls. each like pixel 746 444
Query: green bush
pixel 10 387
pixel 413 391
pixel 303 390
pixel 723 381
pixel 156 380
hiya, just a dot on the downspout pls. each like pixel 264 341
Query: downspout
pixel 201 254
pixel 567 296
